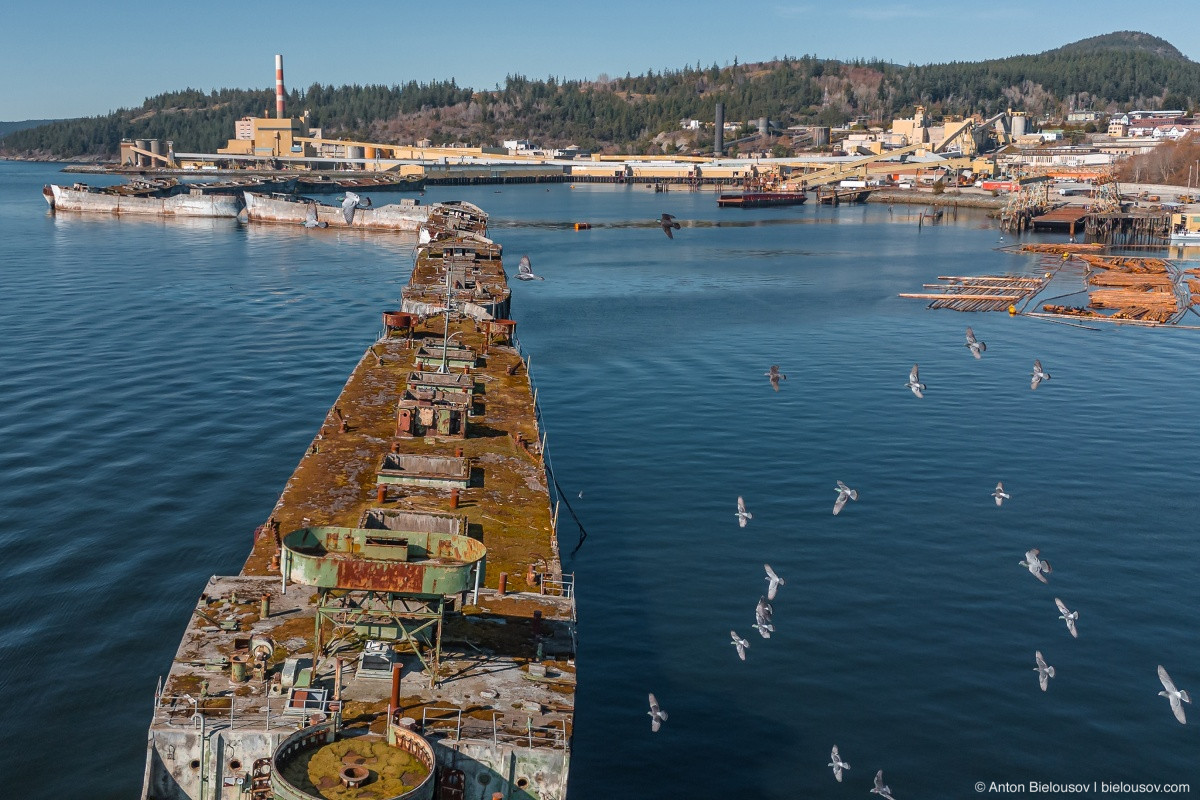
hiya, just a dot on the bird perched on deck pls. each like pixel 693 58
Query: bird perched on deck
pixel 352 202
pixel 880 789
pixel 1045 671
pixel 762 618
pixel 1000 494
pixel 773 582
pixel 844 493
pixel 668 222
pixel 739 643
pixel 310 218
pixel 1068 616
pixel 657 715
pixel 1173 694
pixel 974 345
pixel 775 376
pixel 1039 374
pixel 838 765
pixel 525 271
pixel 1036 565
pixel 914 382
pixel 743 515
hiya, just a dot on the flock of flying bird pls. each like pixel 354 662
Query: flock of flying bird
pixel 1036 565
pixel 763 611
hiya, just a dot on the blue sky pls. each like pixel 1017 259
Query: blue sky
pixel 65 59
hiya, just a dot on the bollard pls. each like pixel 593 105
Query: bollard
pixel 395 704
pixel 395 447
pixel 275 560
pixel 381 493
pixel 502 588
pixel 264 606
pixel 454 498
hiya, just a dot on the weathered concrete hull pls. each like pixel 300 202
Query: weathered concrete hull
pixel 180 205
pixel 390 217
pixel 513 771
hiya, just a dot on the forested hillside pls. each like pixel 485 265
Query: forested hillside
pixel 9 127
pixel 1106 73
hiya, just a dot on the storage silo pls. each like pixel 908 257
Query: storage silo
pixel 142 144
pixel 1018 125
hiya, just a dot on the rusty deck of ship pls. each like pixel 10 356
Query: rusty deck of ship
pixel 503 690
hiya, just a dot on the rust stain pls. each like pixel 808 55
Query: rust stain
pixel 356 573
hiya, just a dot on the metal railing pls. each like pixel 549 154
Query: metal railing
pixel 564 587
pixel 267 713
pixel 441 720
pixel 512 731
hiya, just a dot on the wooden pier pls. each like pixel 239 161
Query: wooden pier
pixel 1066 218
pixel 835 197
pixel 1129 228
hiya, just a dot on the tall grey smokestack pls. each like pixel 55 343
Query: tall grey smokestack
pixel 719 132
pixel 278 86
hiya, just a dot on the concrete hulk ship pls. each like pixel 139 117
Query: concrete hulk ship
pixel 407 216
pixel 402 626
pixel 142 198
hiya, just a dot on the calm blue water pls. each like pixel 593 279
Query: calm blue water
pixel 161 380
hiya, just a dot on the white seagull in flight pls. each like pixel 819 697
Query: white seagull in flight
pixel 743 515
pixel 773 582
pixel 1173 694
pixel 352 202
pixel 838 765
pixel 844 493
pixel 657 715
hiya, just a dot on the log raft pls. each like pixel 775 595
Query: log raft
pixel 979 292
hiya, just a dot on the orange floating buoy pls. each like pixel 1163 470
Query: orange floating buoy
pixel 582 226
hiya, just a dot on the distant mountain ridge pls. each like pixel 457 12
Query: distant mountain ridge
pixel 642 114
pixel 8 127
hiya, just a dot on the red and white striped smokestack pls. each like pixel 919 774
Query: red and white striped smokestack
pixel 278 86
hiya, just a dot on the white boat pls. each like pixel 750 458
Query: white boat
pixel 1185 228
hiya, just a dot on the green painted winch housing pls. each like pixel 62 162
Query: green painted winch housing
pixel 408 562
